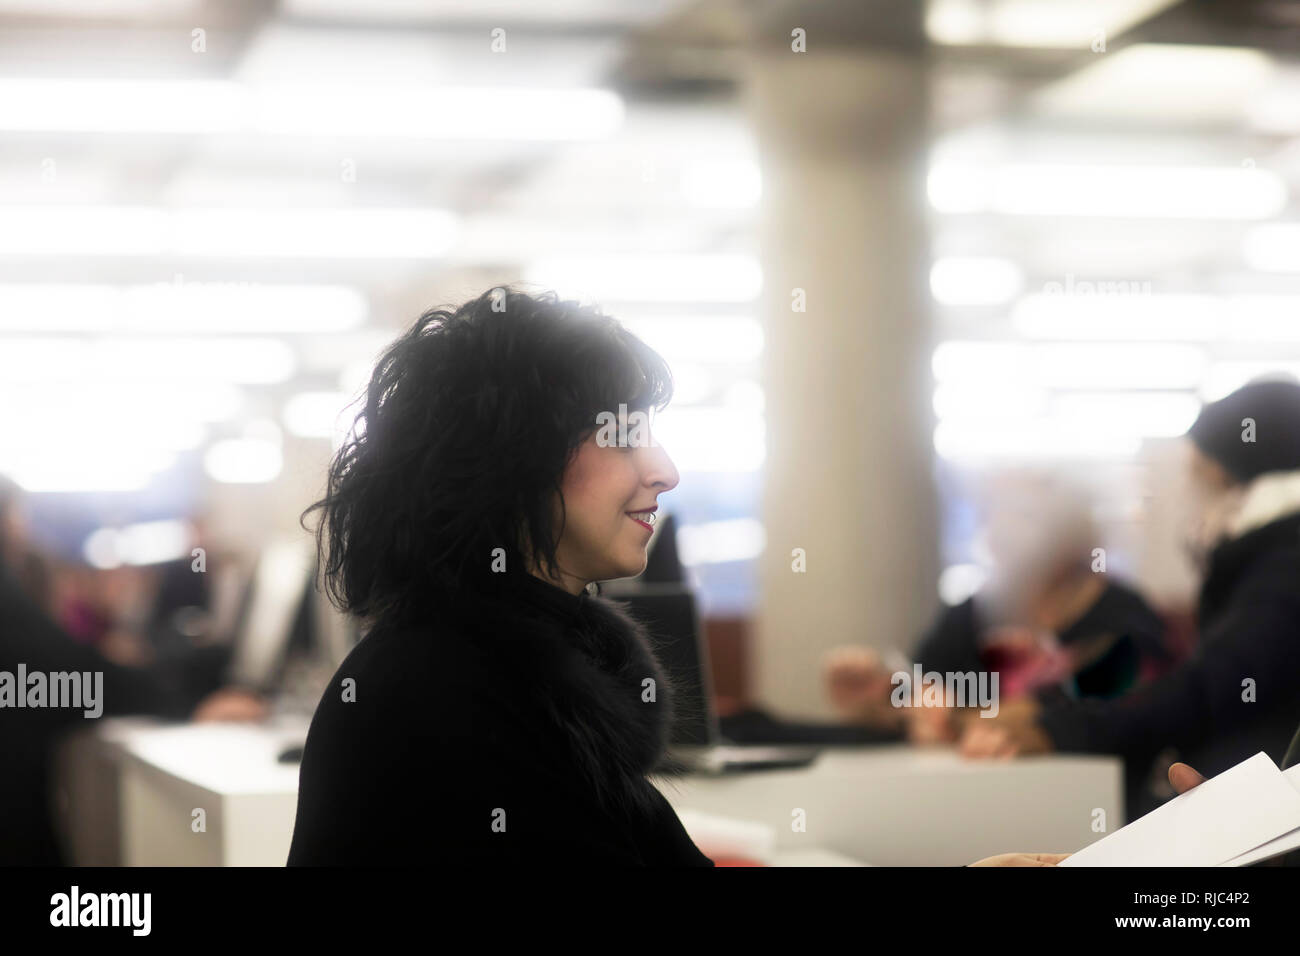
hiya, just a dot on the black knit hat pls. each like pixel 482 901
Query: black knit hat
pixel 1274 407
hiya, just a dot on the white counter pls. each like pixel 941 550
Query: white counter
pixel 900 806
pixel 129 788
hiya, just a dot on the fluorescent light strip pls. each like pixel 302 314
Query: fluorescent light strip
pixel 975 280
pixel 118 435
pixel 314 233
pixel 1071 365
pixel 68 468
pixel 1125 192
pixel 121 106
pixel 717 339
pixel 736 185
pixel 505 115
pixel 1273 248
pixel 1118 317
pixel 344 233
pixel 180 307
pixel 1032 441
pixel 260 361
pixel 99 396
pixel 243 461
pixel 1145 414
pixel 1226 377
pixel 222 106
pixel 240 308
pixel 1154 318
pixel 1125 412
pixel 149 542
pixel 651 278
pixel 984 400
pixel 318 414
pixel 1061 24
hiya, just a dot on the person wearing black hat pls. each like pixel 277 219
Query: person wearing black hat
pixel 1239 693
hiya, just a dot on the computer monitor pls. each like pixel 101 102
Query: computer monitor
pixel 663 565
pixel 280 611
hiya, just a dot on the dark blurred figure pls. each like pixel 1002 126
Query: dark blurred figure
pixel 193 616
pixel 1239 693
pixel 28 736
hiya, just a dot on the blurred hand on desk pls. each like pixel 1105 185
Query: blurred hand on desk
pixel 978 736
pixel 931 726
pixel 859 685
pixel 231 704
pixel 1014 732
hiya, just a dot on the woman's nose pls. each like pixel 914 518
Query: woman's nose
pixel 659 469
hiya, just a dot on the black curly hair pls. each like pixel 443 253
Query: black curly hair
pixel 469 421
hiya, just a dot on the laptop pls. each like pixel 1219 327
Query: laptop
pixel 670 614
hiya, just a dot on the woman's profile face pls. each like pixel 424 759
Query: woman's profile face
pixel 1206 477
pixel 610 494
pixel 1209 499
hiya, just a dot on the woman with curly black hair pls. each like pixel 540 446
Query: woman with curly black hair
pixel 495 711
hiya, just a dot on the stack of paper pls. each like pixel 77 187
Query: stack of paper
pixel 1246 814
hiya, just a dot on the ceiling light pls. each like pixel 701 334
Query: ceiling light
pixel 1124 192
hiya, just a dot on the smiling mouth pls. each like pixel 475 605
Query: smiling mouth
pixel 645 519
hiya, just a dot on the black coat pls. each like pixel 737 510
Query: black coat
pixel 505 728
pixel 1249 622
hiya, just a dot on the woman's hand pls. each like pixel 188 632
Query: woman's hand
pixel 1022 859
pixel 1183 778
pixel 230 704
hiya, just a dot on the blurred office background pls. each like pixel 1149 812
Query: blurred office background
pixel 888 247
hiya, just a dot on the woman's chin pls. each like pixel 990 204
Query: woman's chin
pixel 629 567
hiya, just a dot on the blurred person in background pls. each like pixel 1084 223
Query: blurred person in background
pixel 29 735
pixel 192 619
pixel 101 607
pixel 1046 619
pixel 79 605
pixel 1239 693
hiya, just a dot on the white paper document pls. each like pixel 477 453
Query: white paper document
pixel 1224 818
pixel 1283 844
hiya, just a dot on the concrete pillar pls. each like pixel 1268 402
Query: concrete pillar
pixel 849 421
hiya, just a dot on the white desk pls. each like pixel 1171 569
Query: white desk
pixel 128 789
pixel 153 776
pixel 900 806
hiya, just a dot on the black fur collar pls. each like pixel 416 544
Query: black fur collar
pixel 585 664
